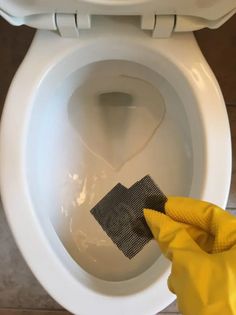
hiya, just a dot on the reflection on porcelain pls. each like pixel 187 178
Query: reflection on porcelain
pixel 197 77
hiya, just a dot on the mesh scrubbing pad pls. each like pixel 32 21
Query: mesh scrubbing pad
pixel 120 214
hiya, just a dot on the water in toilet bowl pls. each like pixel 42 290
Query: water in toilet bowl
pixel 109 122
pixel 117 108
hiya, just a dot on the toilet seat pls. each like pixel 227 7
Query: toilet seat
pixel 162 17
pixel 208 10
pixel 185 70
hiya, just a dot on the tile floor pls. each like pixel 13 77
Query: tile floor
pixel 20 293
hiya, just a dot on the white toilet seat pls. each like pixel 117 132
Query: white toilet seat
pixel 181 63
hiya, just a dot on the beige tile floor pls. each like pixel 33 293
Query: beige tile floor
pixel 20 293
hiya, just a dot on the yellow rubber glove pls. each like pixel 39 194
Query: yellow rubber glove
pixel 200 240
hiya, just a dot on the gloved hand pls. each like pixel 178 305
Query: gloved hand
pixel 200 240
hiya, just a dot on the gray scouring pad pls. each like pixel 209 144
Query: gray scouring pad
pixel 120 214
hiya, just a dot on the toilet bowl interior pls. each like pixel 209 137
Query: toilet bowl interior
pixel 107 122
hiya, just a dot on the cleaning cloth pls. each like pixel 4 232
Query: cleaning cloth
pixel 120 214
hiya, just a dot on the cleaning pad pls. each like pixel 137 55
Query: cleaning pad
pixel 120 214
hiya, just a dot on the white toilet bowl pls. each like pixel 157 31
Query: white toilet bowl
pixel 61 152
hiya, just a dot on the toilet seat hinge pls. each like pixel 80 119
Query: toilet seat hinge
pixel 162 26
pixel 68 25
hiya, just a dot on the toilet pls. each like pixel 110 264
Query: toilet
pixel 109 92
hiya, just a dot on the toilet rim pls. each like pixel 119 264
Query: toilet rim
pixel 12 166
